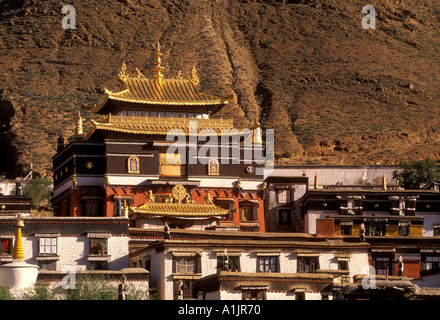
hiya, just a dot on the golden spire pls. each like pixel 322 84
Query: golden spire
pixel 158 69
pixel 18 252
pixel 79 124
pixel 126 209
pixel 194 78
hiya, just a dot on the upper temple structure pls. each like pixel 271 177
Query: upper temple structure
pixel 161 156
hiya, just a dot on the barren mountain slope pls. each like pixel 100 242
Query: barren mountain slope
pixel 334 92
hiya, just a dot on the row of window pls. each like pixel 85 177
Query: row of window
pixel 383 264
pixel 48 248
pixel 192 264
pixel 375 229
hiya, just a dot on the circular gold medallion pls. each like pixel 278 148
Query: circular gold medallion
pixel 179 192
pixel 89 165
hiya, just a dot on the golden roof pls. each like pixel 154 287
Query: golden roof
pixel 160 125
pixel 166 92
pixel 180 209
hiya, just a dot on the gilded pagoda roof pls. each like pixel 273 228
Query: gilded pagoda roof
pixel 180 209
pixel 167 92
pixel 161 126
pixel 177 207
pixel 158 90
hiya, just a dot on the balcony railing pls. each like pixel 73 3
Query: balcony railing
pixel 215 123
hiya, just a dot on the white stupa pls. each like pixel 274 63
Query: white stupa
pixel 18 276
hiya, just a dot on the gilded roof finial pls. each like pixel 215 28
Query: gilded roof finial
pixel 139 74
pixel 18 251
pixel 79 124
pixel 126 209
pixel 178 75
pixel 158 69
pixel 194 77
pixel 122 75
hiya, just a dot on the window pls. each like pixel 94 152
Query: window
pixel 91 209
pixel 267 264
pixel 246 213
pixel 432 262
pixel 342 264
pixel 284 216
pixel 284 196
pixel 254 294
pixel 99 246
pixel 47 246
pixel 346 229
pixel 404 230
pixel 47 265
pixel 187 264
pixel 383 266
pixel 375 229
pixel 5 247
pixel 436 230
pixel 99 265
pixel 228 263
pixel 410 207
pixel 170 164
pixel 307 264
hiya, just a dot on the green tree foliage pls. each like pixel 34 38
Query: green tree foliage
pixel 414 173
pixel 39 190
pixel 92 287
pixel 41 291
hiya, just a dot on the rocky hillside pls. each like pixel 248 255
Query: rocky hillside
pixel 334 92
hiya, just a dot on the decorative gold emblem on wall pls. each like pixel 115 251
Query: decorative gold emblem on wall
pixel 133 164
pixel 213 167
pixel 179 193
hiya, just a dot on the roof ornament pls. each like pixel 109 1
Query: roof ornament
pixel 150 196
pixel 194 77
pixel 122 76
pixel 139 74
pixel 158 75
pixel 179 193
pixel 79 124
pixel 178 75
pixel 209 199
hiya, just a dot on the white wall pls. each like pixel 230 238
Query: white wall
pixel 332 175
pixel 73 251
pixel 431 219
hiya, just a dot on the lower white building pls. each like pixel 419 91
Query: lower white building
pixel 235 265
pixel 66 243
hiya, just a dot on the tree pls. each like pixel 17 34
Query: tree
pixel 39 190
pixel 414 173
